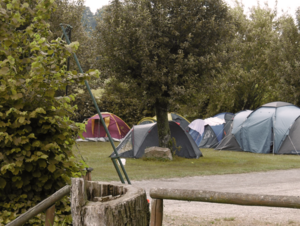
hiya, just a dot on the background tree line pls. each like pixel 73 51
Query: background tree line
pixel 258 63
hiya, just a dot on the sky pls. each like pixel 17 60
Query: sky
pixel 287 5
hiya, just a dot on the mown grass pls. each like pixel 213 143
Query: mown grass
pixel 214 162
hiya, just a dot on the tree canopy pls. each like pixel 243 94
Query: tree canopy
pixel 262 63
pixel 161 49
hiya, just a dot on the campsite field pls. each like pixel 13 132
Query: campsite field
pixel 214 162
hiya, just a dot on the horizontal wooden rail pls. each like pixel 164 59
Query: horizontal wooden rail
pixel 42 206
pixel 225 197
pixel 158 194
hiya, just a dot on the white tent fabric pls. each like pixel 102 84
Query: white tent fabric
pixel 198 125
pixel 213 121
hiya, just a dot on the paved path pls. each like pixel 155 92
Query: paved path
pixel 281 182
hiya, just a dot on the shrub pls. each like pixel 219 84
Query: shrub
pixel 36 134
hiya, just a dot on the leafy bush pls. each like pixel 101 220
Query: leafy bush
pixel 36 134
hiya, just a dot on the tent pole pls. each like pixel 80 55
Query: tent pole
pixel 99 113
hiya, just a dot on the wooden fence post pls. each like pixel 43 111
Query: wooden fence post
pixel 156 212
pixel 88 175
pixel 50 214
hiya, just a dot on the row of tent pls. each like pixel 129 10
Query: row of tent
pixel 134 141
pixel 272 128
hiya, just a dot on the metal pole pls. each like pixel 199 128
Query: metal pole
pixel 68 62
pixel 100 116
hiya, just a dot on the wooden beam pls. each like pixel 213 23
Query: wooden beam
pixel 225 197
pixel 50 214
pixel 156 217
pixel 42 206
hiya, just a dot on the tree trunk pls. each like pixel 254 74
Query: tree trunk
pixel 164 133
pixel 107 204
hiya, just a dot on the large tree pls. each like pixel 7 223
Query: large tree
pixel 161 49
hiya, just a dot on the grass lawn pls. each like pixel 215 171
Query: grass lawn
pixel 214 162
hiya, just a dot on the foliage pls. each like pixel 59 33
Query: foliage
pixel 287 67
pixel 88 19
pixel 129 107
pixel 161 49
pixel 36 134
pixel 260 64
pixel 73 13
pixel 247 78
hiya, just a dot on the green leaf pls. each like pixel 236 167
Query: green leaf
pixel 42 163
pixel 9 6
pixel 21 119
pixel 36 143
pixel 31 135
pixel 19 163
pixel 51 168
pixel 4 70
pixel 25 5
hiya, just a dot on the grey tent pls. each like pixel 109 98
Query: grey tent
pixel 209 139
pixel 229 142
pixel 228 117
pixel 141 137
pixel 215 132
pixel 272 128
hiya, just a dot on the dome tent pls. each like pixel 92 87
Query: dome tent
pixel 229 142
pixel 115 125
pixel 272 128
pixel 209 132
pixel 228 117
pixel 141 137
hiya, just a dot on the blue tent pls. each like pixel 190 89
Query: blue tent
pixel 211 134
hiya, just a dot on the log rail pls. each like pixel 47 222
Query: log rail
pixel 158 194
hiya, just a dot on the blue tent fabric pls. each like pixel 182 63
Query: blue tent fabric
pixel 196 136
pixel 218 129
pixel 239 118
pixel 255 134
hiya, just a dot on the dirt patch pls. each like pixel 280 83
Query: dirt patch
pixel 281 182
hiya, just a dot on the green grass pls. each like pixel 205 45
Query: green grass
pixel 214 162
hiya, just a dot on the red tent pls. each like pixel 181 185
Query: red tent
pixel 116 127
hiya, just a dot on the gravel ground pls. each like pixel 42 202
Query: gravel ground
pixel 281 182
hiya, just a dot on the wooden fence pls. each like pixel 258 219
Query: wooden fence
pixel 158 194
